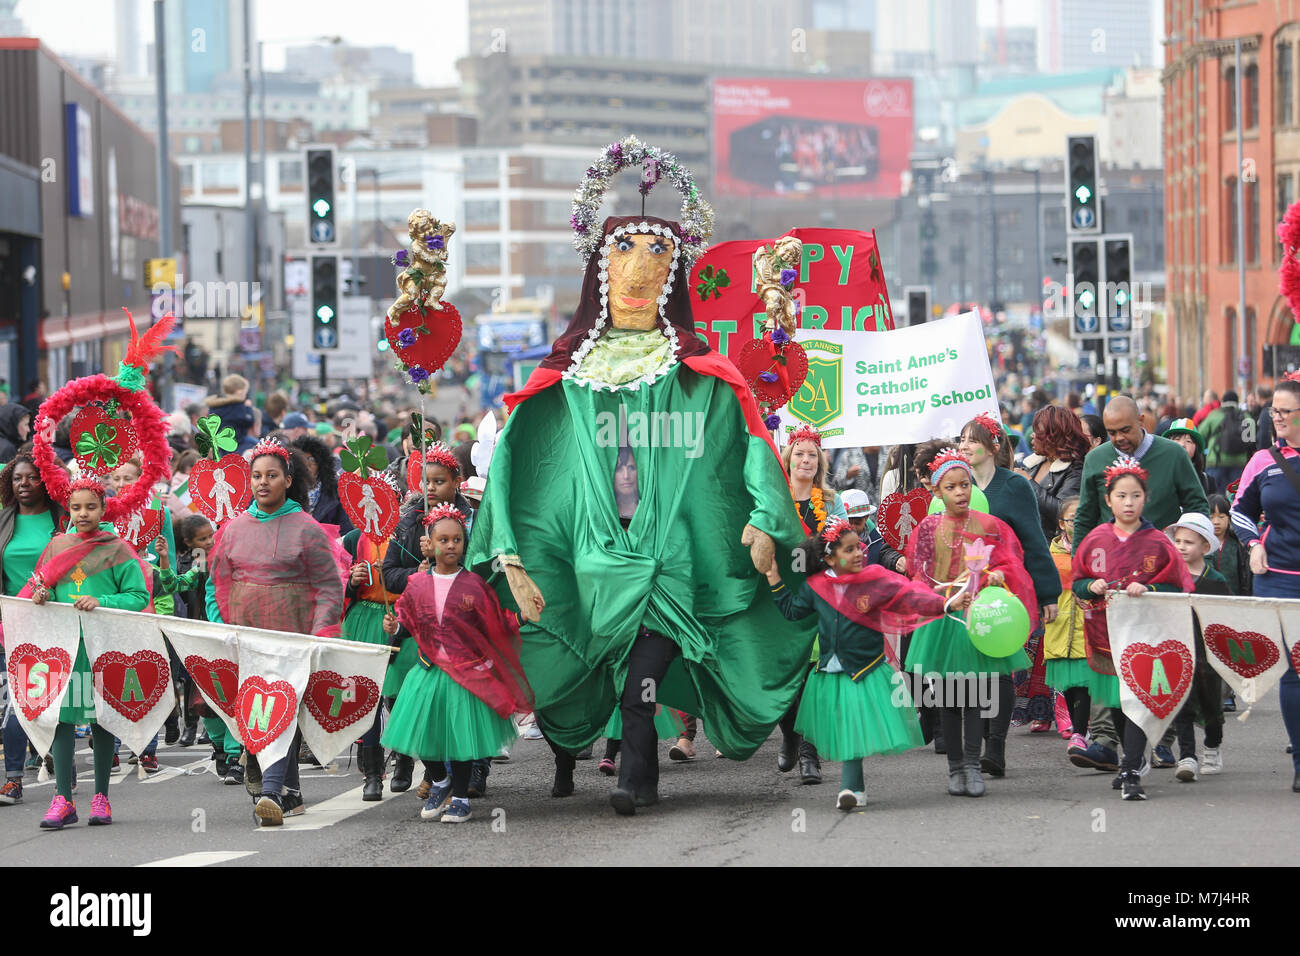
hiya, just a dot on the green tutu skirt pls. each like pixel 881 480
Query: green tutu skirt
pixel 1069 672
pixel 1103 689
pixel 944 647
pixel 848 719
pixel 437 719
pixel 365 624
pixel 78 705
pixel 668 725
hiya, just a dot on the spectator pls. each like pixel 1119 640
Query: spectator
pixel 295 426
pixel 1209 402
pixel 855 468
pixel 15 426
pixel 277 403
pixel 36 393
pixel 234 410
pixel 1055 469
pixel 322 484
pixel 1229 441
pixel 1264 420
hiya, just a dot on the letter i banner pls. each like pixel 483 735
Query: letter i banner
pixel 210 653
pixel 273 673
pixel 341 698
pixel 1154 651
pixel 40 647
pixel 1243 642
pixel 131 672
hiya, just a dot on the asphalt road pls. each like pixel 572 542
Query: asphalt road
pixel 713 812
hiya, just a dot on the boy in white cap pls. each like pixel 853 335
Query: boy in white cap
pixel 1193 535
pixel 859 509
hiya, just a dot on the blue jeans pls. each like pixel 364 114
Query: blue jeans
pixel 1274 585
pixel 15 740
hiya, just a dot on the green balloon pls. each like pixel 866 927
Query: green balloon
pixel 978 502
pixel 998 623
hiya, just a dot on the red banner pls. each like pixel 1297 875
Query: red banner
pixel 841 285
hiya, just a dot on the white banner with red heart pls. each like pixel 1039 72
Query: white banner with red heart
pixel 210 653
pixel 1243 641
pixel 40 649
pixel 1154 652
pixel 131 673
pixel 273 673
pixel 341 698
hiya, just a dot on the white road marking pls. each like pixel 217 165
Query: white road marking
pixel 205 858
pixel 332 811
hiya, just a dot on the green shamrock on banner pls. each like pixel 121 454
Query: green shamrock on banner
pixel 361 456
pixel 100 445
pixel 213 440
pixel 712 283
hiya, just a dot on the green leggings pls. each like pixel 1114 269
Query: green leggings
pixel 851 776
pixel 65 741
pixel 222 739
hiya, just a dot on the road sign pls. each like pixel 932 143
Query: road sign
pixel 325 339
pixel 250 340
pixel 1119 345
pixel 322 231
pixel 353 357
pixel 1085 324
pixel 1084 217
pixel 159 272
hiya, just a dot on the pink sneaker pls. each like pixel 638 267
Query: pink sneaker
pixel 1039 726
pixel 101 814
pixel 1062 714
pixel 1078 744
pixel 62 812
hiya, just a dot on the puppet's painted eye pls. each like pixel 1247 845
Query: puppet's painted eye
pixel 624 245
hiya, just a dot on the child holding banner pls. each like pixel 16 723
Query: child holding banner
pixel 1129 554
pixel 87 568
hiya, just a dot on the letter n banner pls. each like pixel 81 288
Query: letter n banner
pixel 1155 657
pixel 1243 641
pixel 273 673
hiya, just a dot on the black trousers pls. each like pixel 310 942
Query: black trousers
pixel 638 772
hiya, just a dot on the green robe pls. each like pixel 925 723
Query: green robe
pixel 678 569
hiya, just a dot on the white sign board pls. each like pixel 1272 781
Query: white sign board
pixel 889 388
pixel 355 356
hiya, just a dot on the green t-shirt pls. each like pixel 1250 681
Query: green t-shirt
pixel 31 536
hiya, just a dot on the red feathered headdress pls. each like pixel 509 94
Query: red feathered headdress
pixel 88 483
pixel 269 446
pixel 1125 465
pixel 948 458
pixel 445 510
pixel 991 426
pixel 440 454
pixel 835 529
pixel 806 433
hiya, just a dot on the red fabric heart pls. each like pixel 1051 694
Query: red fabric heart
pixel 139 536
pixel 338 702
pixel 432 348
pixel 275 702
pixel 1137 664
pixel 1258 651
pixel 218 679
pixel 203 486
pixel 1295 656
pixel 759 356
pixel 152 678
pixel 354 499
pixel 46 684
pixel 891 524
pixel 124 438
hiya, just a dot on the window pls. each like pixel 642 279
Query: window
pixel 1252 222
pixel 482 212
pixel 1230 220
pixel 1250 96
pixel 556 212
pixel 557 256
pixel 223 175
pixel 482 255
pixel 1285 197
pixel 187 176
pixel 1284 92
pixel 291 172
pixel 1230 99
pixel 481 168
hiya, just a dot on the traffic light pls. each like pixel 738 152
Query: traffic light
pixel 321 228
pixel 918 304
pixel 1085 280
pixel 325 302
pixel 1081 184
pixel 1119 282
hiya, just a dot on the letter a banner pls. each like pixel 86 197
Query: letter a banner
pixel 342 694
pixel 132 676
pixel 273 672
pixel 893 387
pixel 40 648
pixel 1155 657
pixel 210 653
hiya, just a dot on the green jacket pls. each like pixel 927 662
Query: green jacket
pixel 858 649
pixel 1212 426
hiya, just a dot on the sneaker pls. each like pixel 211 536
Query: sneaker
pixel 437 802
pixel 101 814
pixel 234 776
pixel 117 764
pixel 1229 704
pixel 11 792
pixel 1097 757
pixel 1132 787
pixel 1186 771
pixel 1118 782
pixel 268 812
pixel 607 767
pixel 132 760
pixel 203 739
pixel 1078 745
pixel 1212 761
pixel 478 780
pixel 456 813
pixel 171 732
pixel 61 813
pixel 1039 726
pixel 850 800
pixel 682 750
pixel 1162 758
pixel 1145 769
pixel 292 803
pixel 222 767
pixel 150 763
pixel 583 754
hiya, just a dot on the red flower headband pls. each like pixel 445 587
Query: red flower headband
pixel 806 433
pixel 87 483
pixel 1291 377
pixel 993 428
pixel 440 454
pixel 946 459
pixel 834 530
pixel 1125 465
pixel 445 510
pixel 269 446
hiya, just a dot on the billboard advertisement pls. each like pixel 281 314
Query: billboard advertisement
pixel 811 137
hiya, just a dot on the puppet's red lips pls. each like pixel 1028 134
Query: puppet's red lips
pixel 632 303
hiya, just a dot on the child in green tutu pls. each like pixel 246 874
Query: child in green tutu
pixel 455 703
pixel 849 707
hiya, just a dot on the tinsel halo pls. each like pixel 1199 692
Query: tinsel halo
pixel 696 218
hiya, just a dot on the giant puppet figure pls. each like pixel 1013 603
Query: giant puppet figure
pixel 651 592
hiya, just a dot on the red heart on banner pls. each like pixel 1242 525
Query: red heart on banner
pixel 266 709
pixel 1138 668
pixel 899 514
pixel 222 489
pixel 1295 656
pixel 1245 652
pixel 379 509
pixel 118 434
pixel 338 702
pixel 424 341
pixel 759 356
pixel 218 679
pixel 132 684
pixel 37 675
pixel 141 528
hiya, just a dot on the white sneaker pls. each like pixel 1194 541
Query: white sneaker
pixel 1186 771
pixel 1212 761
pixel 849 800
pixel 533 733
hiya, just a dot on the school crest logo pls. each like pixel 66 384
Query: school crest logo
pixel 1149 564
pixel 819 400
pixel 863 604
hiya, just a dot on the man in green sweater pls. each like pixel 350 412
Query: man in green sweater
pixel 1173 489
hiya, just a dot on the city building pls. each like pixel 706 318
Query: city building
pixel 1205 261
pixel 1095 34
pixel 91 177
pixel 925 35
pixel 609 28
pixel 1009 49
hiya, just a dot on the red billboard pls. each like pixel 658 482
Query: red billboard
pixel 796 137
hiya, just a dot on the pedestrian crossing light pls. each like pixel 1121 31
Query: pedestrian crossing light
pixel 319 162
pixel 321 207
pixel 1083 194
pixel 324 301
pixel 1081 184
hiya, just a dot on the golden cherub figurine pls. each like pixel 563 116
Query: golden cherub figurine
pixel 424 280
